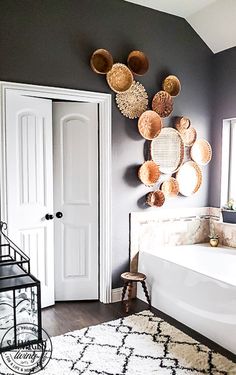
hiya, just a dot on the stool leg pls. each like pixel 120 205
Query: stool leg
pixel 124 291
pixel 130 287
pixel 146 293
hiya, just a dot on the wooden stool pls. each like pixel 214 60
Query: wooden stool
pixel 129 278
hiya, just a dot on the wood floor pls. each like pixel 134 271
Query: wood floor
pixel 69 316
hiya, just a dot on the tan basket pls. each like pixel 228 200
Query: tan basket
pixel 119 78
pixel 155 198
pixel 189 136
pixel 149 173
pixel 101 61
pixel 138 62
pixel 171 84
pixel 170 188
pixel 149 124
pixel 182 123
pixel 189 178
pixel 167 150
pixel 162 103
pixel 133 102
pixel 201 152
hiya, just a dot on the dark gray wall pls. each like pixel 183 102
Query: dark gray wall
pixel 224 107
pixel 49 42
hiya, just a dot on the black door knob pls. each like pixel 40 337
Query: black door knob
pixel 59 215
pixel 48 217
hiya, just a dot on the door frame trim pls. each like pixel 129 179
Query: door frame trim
pixel 105 159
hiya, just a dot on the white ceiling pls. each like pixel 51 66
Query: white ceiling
pixel 213 20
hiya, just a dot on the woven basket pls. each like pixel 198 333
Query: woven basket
pixel 182 123
pixel 133 102
pixel 149 173
pixel 167 150
pixel 155 198
pixel 170 188
pixel 162 103
pixel 189 136
pixel 149 124
pixel 101 61
pixel 119 78
pixel 138 62
pixel 171 84
pixel 201 152
pixel 189 178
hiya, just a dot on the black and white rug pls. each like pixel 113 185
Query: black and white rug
pixel 140 344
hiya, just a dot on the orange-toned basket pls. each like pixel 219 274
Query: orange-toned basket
pixel 182 123
pixel 162 103
pixel 155 198
pixel 149 173
pixel 170 188
pixel 201 152
pixel 149 124
pixel 119 78
pixel 101 61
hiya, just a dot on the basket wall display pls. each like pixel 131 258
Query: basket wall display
pixel 138 62
pixel 189 178
pixel 149 173
pixel 101 61
pixel 182 123
pixel 162 103
pixel 189 136
pixel 171 84
pixel 119 78
pixel 170 188
pixel 201 152
pixel 167 150
pixel 155 198
pixel 149 124
pixel 133 102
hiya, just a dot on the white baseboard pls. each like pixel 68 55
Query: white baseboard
pixel 116 295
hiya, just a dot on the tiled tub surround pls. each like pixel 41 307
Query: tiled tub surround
pixel 194 283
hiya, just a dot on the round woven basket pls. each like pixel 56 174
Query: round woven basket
pixel 189 136
pixel 133 102
pixel 170 188
pixel 138 62
pixel 182 123
pixel 162 103
pixel 119 78
pixel 171 84
pixel 201 152
pixel 189 178
pixel 167 150
pixel 155 198
pixel 149 173
pixel 101 61
pixel 149 125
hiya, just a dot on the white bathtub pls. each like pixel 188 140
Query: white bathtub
pixel 195 284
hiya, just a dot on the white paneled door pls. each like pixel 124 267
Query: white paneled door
pixel 30 184
pixel 52 157
pixel 76 200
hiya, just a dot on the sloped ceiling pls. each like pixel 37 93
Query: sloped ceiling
pixel 213 20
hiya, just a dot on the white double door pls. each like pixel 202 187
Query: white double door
pixel 52 193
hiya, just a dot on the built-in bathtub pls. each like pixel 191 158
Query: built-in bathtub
pixel 195 284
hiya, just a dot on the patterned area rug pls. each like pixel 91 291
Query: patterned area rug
pixel 140 344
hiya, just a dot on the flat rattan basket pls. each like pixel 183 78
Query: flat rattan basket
pixel 149 173
pixel 167 150
pixel 201 152
pixel 133 102
pixel 101 61
pixel 119 78
pixel 182 123
pixel 170 188
pixel 149 124
pixel 189 136
pixel 189 178
pixel 138 62
pixel 162 103
pixel 155 198
pixel 171 84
